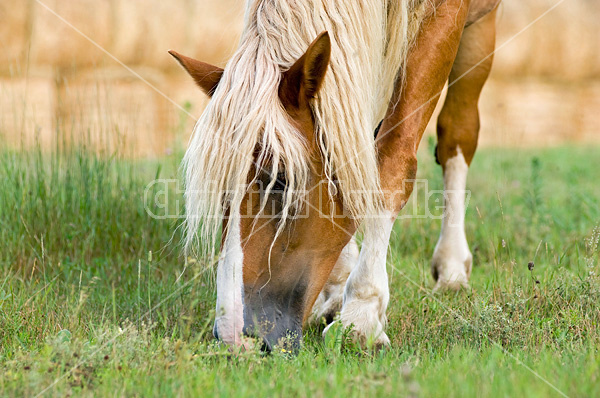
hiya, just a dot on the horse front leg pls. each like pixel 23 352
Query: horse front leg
pixel 366 294
pixel 429 63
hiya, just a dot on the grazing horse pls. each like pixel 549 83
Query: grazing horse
pixel 284 160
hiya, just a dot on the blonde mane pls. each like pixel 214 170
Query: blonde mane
pixel 370 41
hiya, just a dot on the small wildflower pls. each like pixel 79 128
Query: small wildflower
pixel 106 357
pixel 530 266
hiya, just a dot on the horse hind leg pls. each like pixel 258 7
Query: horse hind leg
pixel 458 130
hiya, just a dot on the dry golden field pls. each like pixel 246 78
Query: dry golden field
pixel 545 87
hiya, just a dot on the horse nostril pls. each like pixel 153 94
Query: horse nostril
pixel 288 343
pixel 266 346
pixel 249 331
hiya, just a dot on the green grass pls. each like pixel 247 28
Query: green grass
pixel 95 298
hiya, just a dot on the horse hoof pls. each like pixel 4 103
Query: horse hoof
pixel 325 310
pixel 456 284
pixel 374 339
pixel 451 274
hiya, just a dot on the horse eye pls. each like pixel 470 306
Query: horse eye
pixel 280 182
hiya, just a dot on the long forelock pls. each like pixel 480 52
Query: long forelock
pixel 243 130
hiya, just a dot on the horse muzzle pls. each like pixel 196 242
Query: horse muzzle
pixel 275 317
pixel 277 329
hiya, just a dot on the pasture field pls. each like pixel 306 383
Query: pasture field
pixel 95 298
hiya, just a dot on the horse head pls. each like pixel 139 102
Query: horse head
pixel 284 228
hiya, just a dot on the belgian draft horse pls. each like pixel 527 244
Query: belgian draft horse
pixel 285 163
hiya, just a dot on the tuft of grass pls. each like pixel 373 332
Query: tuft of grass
pixel 95 298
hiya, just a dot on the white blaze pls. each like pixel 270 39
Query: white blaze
pixel 230 307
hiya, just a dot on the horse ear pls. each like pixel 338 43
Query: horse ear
pixel 205 75
pixel 304 79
